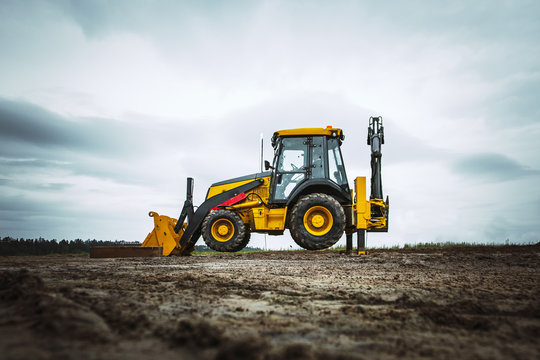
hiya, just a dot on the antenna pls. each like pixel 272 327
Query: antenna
pixel 262 152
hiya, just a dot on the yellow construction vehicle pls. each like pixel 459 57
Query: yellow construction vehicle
pixel 304 189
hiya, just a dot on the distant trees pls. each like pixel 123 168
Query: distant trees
pixel 10 246
pixel 23 247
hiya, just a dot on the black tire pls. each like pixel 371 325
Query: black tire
pixel 317 221
pixel 246 239
pixel 224 230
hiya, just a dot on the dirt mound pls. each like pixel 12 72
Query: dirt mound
pixel 244 349
pixel 192 332
pixel 32 305
pixel 19 285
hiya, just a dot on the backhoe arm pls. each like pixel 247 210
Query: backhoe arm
pixel 379 208
pixel 376 140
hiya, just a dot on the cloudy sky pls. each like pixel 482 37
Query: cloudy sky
pixel 107 106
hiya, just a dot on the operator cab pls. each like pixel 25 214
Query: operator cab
pixel 307 160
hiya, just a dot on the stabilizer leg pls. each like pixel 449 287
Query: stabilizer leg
pixel 348 249
pixel 361 242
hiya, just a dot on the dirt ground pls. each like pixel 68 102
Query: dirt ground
pixel 458 303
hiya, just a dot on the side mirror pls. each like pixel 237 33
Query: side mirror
pixel 267 165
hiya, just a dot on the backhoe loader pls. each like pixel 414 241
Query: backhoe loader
pixel 304 190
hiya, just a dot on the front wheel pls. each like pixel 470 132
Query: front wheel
pixel 317 221
pixel 224 230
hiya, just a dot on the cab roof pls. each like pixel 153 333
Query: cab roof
pixel 328 131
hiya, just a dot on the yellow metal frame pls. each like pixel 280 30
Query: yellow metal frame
pixel 218 189
pixel 362 207
pixel 263 218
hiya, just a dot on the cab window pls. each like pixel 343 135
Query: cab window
pixel 291 169
pixel 336 170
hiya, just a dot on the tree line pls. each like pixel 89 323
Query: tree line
pixel 26 247
pixel 11 246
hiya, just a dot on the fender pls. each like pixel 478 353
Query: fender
pixel 341 195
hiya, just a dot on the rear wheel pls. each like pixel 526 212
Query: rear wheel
pixel 224 230
pixel 317 221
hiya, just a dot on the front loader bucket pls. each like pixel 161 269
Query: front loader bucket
pixel 161 241
pixel 164 236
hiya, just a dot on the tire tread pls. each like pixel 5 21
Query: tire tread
pixel 300 234
pixel 239 240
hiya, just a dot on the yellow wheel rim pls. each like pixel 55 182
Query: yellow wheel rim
pixel 318 220
pixel 222 230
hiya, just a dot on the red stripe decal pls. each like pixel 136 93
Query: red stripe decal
pixel 231 201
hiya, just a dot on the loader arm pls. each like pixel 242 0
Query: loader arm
pixel 193 230
pixel 187 209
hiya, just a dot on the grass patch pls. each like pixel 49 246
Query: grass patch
pixel 444 245
pixel 431 246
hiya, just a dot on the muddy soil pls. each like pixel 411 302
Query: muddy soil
pixel 460 303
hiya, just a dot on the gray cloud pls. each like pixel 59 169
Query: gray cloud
pixel 492 167
pixel 94 17
pixel 21 121
pixel 41 187
pixel 102 17
pixel 479 20
pixel 31 163
pixel 30 124
pixel 54 218
pixel 33 138
pixel 18 203
pixel 493 20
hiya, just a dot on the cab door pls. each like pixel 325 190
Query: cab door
pixel 291 167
